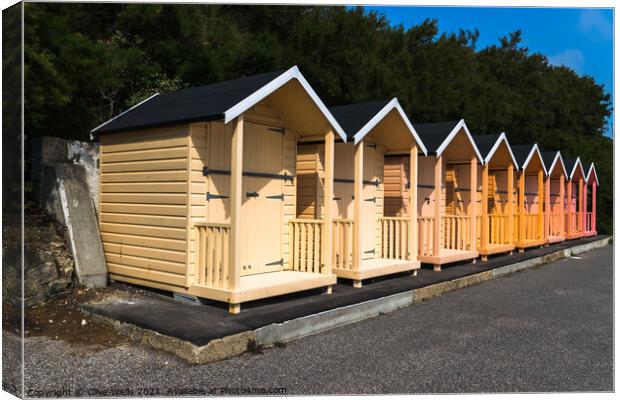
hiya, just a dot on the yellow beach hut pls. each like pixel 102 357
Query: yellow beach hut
pixel 198 191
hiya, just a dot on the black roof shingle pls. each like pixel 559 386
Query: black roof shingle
pixel 485 143
pixel 521 151
pixel 434 134
pixel 353 117
pixel 200 103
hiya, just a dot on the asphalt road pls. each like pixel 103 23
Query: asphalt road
pixel 545 329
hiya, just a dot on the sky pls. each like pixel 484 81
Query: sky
pixel 581 39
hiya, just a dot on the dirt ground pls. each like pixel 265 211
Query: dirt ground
pixel 61 319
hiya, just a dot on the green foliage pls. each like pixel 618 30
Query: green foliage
pixel 87 62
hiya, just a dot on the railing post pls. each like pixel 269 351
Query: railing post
pixel 569 207
pixel 510 200
pixel 540 199
pixel 236 167
pixel 547 209
pixel 437 208
pixel 413 202
pixel 473 194
pixel 358 178
pixel 521 240
pixel 484 210
pixel 328 228
pixel 562 207
pixel 582 203
pixel 594 206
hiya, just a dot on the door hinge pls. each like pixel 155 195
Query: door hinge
pixel 373 199
pixel 370 251
pixel 337 198
pixel 215 196
pixel 279 130
pixel 279 262
pixel 277 197
pixel 251 194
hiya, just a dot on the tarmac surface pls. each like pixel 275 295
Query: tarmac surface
pixel 199 324
pixel 544 329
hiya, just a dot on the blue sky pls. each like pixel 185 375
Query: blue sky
pixel 581 39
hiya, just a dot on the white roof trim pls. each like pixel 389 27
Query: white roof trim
pixel 455 130
pixel 502 137
pixel 260 94
pixel 393 104
pixel 123 113
pixel 529 158
pixel 592 170
pixel 578 162
pixel 558 156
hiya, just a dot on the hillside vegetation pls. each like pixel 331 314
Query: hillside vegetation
pixel 86 62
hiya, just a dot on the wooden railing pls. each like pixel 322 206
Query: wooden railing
pixel 588 227
pixel 555 224
pixel 426 227
pixel 572 221
pixel 531 227
pixel 456 232
pixel 306 241
pixel 212 254
pixel 394 237
pixel 498 229
pixel 342 257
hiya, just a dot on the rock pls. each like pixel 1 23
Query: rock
pixel 58 285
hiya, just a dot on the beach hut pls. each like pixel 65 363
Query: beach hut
pixel 575 199
pixel 590 217
pixel 446 200
pixel 555 196
pixel 366 243
pixel 198 191
pixel 529 216
pixel 496 199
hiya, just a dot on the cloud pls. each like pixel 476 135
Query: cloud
pixel 596 22
pixel 572 58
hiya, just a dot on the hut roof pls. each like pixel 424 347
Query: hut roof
pixel 223 100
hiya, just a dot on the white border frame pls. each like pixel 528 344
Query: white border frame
pixel 558 156
pixel 591 170
pixel 577 162
pixel 453 133
pixel 529 158
pixel 502 137
pixel 260 94
pixel 391 105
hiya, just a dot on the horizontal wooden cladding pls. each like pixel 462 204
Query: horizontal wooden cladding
pixel 139 219
pixel 150 187
pixel 157 165
pixel 144 241
pixel 145 177
pixel 148 209
pixel 117 271
pixel 153 144
pixel 144 198
pixel 146 252
pixel 146 263
pixel 145 136
pixel 143 230
pixel 145 155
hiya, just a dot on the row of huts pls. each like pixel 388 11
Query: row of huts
pixel 253 188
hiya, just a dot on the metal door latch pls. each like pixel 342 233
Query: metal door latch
pixel 251 194
pixel 277 197
pixel 215 196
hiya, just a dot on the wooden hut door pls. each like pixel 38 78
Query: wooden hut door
pixel 451 198
pixel 369 200
pixel 262 200
pixel 343 180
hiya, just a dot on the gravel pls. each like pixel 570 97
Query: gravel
pixel 545 329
